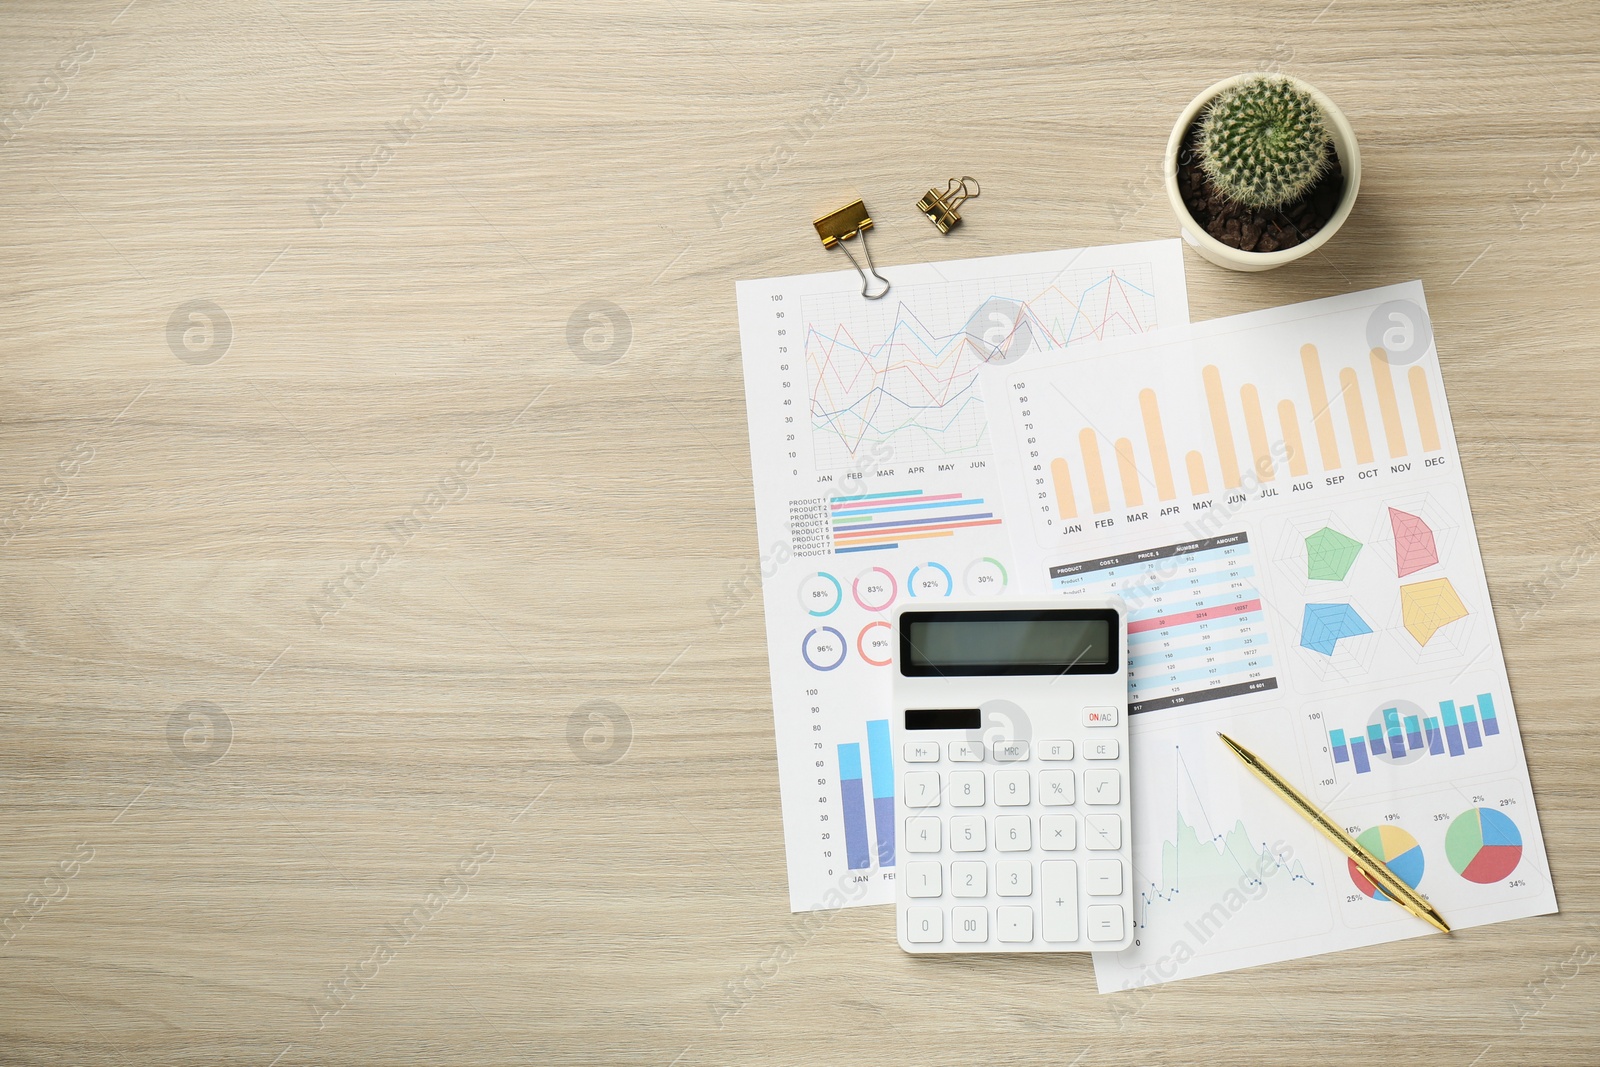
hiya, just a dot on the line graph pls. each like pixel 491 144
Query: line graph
pixel 904 375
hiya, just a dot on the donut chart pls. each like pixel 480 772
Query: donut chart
pixel 1399 852
pixel 821 594
pixel 823 648
pixel 930 579
pixel 875 589
pixel 875 640
pixel 1483 845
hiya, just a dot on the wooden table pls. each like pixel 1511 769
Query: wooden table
pixel 368 693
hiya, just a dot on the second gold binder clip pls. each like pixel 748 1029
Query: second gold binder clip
pixel 837 227
pixel 941 207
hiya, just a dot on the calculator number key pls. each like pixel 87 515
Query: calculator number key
pixel 1011 788
pixel 922 789
pixel 924 879
pixel 922 833
pixel 966 789
pixel 969 878
pixel 1013 878
pixel 924 926
pixel 967 834
pixel 1012 833
pixel 969 926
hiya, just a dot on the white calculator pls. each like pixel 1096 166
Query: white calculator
pixel 1011 760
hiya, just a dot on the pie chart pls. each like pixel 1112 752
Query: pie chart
pixel 1483 845
pixel 1399 852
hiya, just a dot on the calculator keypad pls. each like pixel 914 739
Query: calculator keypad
pixel 1036 850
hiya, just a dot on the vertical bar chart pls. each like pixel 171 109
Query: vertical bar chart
pixel 1400 736
pixel 1093 472
pixel 1222 430
pixel 1452 727
pixel 1469 726
pixel 882 762
pixel 1156 437
pixel 1435 736
pixel 858 853
pixel 1061 480
pixel 1423 403
pixel 1321 414
pixel 1197 473
pixel 1128 472
pixel 1393 433
pixel 1356 412
pixel 1290 425
pixel 1238 426
pixel 1491 725
pixel 1255 428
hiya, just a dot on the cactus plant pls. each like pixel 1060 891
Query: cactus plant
pixel 1264 143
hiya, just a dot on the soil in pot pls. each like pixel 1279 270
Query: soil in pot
pixel 1252 229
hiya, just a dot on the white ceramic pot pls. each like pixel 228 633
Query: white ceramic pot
pixel 1344 143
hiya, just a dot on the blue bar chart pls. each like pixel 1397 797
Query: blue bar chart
pixel 858 853
pixel 853 798
pixel 1400 737
pixel 882 788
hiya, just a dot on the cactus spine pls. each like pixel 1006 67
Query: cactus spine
pixel 1264 142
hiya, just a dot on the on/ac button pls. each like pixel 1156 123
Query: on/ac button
pixel 1099 716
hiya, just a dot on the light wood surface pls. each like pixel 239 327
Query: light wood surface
pixel 399 298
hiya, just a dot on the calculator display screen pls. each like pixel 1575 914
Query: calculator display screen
pixel 1065 641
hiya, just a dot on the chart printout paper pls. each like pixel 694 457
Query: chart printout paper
pixel 874 483
pixel 1279 499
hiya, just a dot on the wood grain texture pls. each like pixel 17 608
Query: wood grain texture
pixel 554 531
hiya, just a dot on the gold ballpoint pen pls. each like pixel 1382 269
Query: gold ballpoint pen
pixel 1375 869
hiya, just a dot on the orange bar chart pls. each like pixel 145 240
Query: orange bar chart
pixel 1132 495
pixel 1197 474
pixel 1356 411
pixel 1426 424
pixel 1256 428
pixel 1227 456
pixel 1290 424
pixel 1394 434
pixel 1089 444
pixel 1156 437
pixel 1321 416
pixel 1066 504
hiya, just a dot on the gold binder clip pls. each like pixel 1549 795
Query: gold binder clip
pixel 941 207
pixel 837 227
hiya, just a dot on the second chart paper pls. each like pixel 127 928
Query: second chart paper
pixel 1278 497
pixel 874 484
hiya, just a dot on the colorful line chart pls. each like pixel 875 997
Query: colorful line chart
pixel 896 380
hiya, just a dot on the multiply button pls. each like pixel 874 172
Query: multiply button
pixel 1099 716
